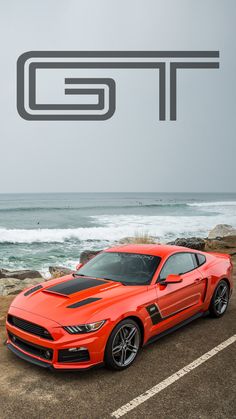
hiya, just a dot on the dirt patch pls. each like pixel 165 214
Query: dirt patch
pixel 4 305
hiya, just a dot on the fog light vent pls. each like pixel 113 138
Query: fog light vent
pixel 73 355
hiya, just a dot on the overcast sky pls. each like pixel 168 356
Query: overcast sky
pixel 132 151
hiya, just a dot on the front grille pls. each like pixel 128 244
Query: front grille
pixel 31 348
pixel 29 327
pixel 79 355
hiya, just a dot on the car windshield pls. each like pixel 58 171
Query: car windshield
pixel 127 268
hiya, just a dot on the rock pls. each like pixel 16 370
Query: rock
pixel 86 255
pixel 228 242
pixel 3 273
pixel 22 274
pixel 222 230
pixel 12 286
pixel 191 242
pixel 58 271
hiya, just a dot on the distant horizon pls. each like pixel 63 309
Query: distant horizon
pixel 119 192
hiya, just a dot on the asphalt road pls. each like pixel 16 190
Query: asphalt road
pixel 209 391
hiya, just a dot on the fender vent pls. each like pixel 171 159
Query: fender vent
pixel 83 302
pixel 154 313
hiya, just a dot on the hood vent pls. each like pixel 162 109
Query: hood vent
pixel 38 287
pixel 83 302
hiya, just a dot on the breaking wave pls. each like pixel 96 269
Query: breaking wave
pixel 115 227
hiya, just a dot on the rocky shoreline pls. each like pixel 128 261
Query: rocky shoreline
pixel 221 239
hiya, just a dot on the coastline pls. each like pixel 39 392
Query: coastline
pixel 42 230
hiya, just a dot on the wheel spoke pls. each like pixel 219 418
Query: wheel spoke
pixel 117 349
pixel 217 301
pixel 123 356
pixel 223 291
pixel 131 334
pixel 122 334
pixel 132 348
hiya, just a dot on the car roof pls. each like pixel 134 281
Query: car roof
pixel 162 250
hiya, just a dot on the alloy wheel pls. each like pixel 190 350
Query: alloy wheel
pixel 125 345
pixel 221 298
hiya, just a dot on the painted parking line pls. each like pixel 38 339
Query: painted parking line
pixel 173 378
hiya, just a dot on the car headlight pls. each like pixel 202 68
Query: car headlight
pixel 84 328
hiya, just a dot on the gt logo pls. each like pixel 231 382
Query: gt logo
pixel 79 97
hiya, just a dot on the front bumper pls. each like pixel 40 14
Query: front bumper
pixel 28 358
pixel 44 364
pixel 65 351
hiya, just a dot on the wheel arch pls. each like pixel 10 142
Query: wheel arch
pixel 215 285
pixel 222 279
pixel 211 307
pixel 227 281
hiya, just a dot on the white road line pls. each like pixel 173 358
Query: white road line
pixel 170 380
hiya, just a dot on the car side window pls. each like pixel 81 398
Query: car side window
pixel 177 264
pixel 201 259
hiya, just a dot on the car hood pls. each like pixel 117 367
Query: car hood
pixel 70 301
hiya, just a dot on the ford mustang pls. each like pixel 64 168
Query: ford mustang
pixel 119 301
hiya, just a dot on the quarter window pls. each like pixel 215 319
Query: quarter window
pixel 201 259
pixel 177 264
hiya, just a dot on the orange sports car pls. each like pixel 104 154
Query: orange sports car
pixel 122 299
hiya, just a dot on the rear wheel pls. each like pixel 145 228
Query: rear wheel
pixel 123 345
pixel 220 299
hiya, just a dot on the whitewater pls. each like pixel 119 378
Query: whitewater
pixel 38 230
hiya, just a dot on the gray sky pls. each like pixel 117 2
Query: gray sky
pixel 132 151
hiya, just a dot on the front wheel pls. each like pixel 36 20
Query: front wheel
pixel 220 299
pixel 123 345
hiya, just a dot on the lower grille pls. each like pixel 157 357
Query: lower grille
pixel 31 348
pixel 29 327
pixel 79 355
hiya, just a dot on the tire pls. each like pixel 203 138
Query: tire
pixel 220 300
pixel 121 351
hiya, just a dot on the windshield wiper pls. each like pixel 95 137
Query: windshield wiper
pixel 134 283
pixel 113 280
pixel 108 279
pixel 77 274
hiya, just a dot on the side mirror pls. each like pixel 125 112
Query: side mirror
pixel 79 266
pixel 171 279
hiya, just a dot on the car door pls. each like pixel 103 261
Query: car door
pixel 177 297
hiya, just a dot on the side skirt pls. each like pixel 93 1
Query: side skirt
pixel 176 327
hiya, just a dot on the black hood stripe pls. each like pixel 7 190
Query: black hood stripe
pixel 75 285
pixel 83 302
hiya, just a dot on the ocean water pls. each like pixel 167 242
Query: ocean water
pixel 39 230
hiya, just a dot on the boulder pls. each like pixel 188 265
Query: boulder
pixel 191 242
pixel 86 255
pixel 3 273
pixel 22 274
pixel 58 271
pixel 222 230
pixel 12 286
pixel 221 243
